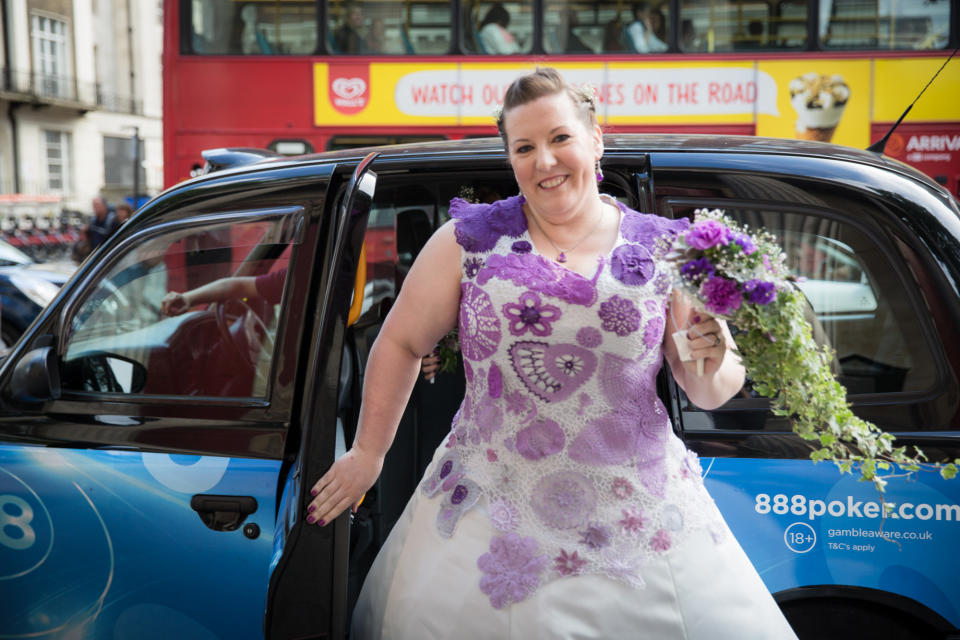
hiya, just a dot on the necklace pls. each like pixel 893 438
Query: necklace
pixel 562 253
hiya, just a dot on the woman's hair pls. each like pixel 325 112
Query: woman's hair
pixel 546 81
pixel 497 13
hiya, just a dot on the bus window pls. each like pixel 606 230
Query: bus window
pixel 261 27
pixel 577 27
pixel 749 25
pixel 871 24
pixel 497 28
pixel 354 142
pixel 388 27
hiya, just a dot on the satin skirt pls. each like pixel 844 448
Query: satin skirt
pixel 424 586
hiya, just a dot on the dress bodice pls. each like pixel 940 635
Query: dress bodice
pixel 561 428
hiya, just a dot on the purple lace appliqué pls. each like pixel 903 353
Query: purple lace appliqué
pixel 662 284
pixel 479 324
pixel 503 515
pixel 448 471
pixel 653 332
pixel 531 314
pixel 632 522
pixel 622 488
pixel 468 371
pixel 521 405
pixel 552 372
pixel 511 569
pixel 564 500
pixel 632 264
pixel 479 226
pixel 455 503
pixel 671 517
pixel 536 273
pixel 589 337
pixel 489 420
pixel 660 541
pixel 612 438
pixel 521 246
pixel 471 267
pixel 596 536
pixel 647 228
pixel 494 381
pixel 542 438
pixel 619 315
pixel 567 564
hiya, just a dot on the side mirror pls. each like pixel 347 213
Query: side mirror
pixel 36 377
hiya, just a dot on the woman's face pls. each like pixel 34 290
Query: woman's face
pixel 553 154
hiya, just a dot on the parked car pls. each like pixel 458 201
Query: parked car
pixel 154 470
pixel 26 287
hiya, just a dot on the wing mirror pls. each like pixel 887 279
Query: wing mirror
pixel 36 378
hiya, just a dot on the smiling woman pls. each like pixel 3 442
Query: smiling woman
pixel 535 522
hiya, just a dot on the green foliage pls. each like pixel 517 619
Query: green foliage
pixel 786 365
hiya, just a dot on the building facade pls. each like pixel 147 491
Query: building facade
pixel 80 104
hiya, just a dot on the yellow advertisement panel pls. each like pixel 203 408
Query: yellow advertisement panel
pixel 831 99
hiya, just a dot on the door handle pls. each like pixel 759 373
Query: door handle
pixel 223 513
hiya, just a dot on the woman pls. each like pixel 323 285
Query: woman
pixel 562 504
pixel 494 36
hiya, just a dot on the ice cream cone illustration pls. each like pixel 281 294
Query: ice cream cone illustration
pixel 819 101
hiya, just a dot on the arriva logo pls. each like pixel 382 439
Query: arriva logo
pixel 934 143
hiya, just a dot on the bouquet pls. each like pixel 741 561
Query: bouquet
pixel 743 278
pixel 446 352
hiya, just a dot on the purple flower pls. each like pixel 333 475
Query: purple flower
pixel 695 269
pixel 722 295
pixel 589 337
pixel 564 500
pixel 521 246
pixel 596 536
pixel 521 404
pixel 622 488
pixel 511 569
pixel 746 242
pixel 632 522
pixel 632 264
pixel 759 291
pixel 531 315
pixel 541 439
pixel 503 515
pixel 471 267
pixel 707 233
pixel 494 381
pixel 660 540
pixel 619 316
pixel 568 564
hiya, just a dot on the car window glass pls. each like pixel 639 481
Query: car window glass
pixel 124 338
pixel 857 308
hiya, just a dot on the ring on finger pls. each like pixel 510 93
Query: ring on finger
pixel 716 340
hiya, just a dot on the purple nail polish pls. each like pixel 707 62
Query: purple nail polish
pixel 696 318
pixel 321 523
pixel 313 492
pixel 311 519
pixel 311 508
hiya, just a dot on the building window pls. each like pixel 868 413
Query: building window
pixel 57 152
pixel 118 162
pixel 51 60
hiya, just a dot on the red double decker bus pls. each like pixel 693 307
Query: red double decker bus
pixel 298 76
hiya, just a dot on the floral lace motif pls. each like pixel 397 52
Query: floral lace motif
pixel 561 428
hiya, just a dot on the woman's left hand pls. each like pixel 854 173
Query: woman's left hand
pixel 707 338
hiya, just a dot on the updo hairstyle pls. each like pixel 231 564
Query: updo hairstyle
pixel 546 81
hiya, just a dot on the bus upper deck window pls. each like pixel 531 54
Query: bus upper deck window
pixel 854 24
pixel 267 27
pixel 497 28
pixel 749 25
pixel 388 27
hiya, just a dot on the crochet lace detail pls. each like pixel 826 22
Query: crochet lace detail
pixel 561 429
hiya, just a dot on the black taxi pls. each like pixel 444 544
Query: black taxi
pixel 155 467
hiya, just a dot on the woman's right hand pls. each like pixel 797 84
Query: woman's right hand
pixel 343 485
pixel 429 366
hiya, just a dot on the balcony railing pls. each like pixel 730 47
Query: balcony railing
pixel 55 89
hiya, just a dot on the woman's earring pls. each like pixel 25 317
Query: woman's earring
pixel 599 172
pixel 523 198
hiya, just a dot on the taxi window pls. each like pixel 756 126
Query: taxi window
pixel 190 312
pixel 857 307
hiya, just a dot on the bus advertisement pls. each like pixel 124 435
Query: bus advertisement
pixel 298 76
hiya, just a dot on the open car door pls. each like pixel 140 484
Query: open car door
pixel 308 573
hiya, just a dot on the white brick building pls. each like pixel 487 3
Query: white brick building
pixel 78 79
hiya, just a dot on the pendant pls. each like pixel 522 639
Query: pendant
pixel 561 257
